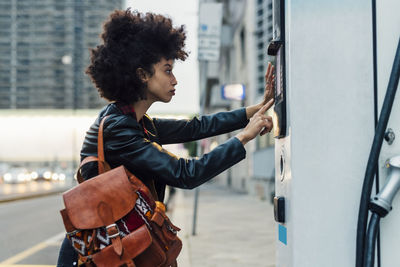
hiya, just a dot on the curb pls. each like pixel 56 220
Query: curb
pixel 179 218
pixel 15 197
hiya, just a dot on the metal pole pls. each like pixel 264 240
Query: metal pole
pixel 203 84
pixel 196 201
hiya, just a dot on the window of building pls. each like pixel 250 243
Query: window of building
pixel 22 90
pixel 4 62
pixel 5 90
pixel 4 80
pixel 22 79
pixel 5 6
pixel 5 17
pixel 5 25
pixel 22 72
pixel 23 61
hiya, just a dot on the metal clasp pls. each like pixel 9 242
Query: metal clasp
pixel 116 228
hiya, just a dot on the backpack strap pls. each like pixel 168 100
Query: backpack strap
pixel 153 191
pixel 100 148
pixel 103 166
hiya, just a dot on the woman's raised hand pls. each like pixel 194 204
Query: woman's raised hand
pixel 259 124
pixel 268 92
pixel 269 84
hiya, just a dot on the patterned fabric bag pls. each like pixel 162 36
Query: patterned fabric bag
pixel 113 220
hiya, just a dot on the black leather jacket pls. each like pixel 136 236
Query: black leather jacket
pixel 137 146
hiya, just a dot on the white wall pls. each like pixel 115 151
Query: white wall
pixel 42 136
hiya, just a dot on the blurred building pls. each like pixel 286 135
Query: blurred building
pixel 245 34
pixel 44 52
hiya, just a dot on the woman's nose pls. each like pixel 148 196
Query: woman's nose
pixel 174 81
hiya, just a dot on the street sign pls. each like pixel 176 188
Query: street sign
pixel 210 20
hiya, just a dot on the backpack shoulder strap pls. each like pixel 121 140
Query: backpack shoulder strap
pixel 103 166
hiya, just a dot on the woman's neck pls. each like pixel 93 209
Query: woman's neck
pixel 141 108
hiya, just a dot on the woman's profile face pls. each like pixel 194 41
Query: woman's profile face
pixel 161 86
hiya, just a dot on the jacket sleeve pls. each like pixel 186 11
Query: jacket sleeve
pixel 179 131
pixel 129 147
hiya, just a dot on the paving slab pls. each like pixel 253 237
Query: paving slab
pixel 233 229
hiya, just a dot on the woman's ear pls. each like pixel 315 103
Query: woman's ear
pixel 142 74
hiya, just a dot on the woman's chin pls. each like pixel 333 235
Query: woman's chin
pixel 166 100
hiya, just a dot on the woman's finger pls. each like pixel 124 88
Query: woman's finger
pixel 266 106
pixel 272 78
pixel 269 71
pixel 268 127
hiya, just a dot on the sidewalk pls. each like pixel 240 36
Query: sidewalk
pixel 232 230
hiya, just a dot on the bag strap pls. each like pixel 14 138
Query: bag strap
pixel 100 147
pixel 153 190
pixel 103 166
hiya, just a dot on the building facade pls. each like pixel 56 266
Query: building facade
pixel 246 33
pixel 44 50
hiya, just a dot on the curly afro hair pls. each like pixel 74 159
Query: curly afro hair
pixel 132 40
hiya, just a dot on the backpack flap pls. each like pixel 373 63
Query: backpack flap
pixel 101 200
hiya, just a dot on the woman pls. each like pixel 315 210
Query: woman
pixel 133 69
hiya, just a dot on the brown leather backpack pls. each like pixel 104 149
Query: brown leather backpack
pixel 113 219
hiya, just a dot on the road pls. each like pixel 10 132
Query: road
pixel 31 231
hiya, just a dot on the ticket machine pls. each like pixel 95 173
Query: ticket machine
pixel 333 65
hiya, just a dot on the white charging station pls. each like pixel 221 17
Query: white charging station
pixel 325 126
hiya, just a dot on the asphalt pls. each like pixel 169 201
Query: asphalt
pixel 232 229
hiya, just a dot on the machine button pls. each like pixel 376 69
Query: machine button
pixel 279 209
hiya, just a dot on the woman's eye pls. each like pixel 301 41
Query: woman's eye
pixel 169 71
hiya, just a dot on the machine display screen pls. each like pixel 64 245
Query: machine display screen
pixel 279 76
pixel 277 20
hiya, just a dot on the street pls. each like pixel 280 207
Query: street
pixel 31 231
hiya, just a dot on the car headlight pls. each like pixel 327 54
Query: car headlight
pixel 54 176
pixel 47 175
pixel 21 177
pixel 34 175
pixel 7 177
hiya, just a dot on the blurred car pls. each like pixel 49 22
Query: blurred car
pixel 17 175
pixel 58 176
pixel 41 174
pixel 3 170
pixel 44 174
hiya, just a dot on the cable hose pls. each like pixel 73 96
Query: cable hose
pixel 371 238
pixel 374 156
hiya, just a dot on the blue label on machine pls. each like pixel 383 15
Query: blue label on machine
pixel 282 232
